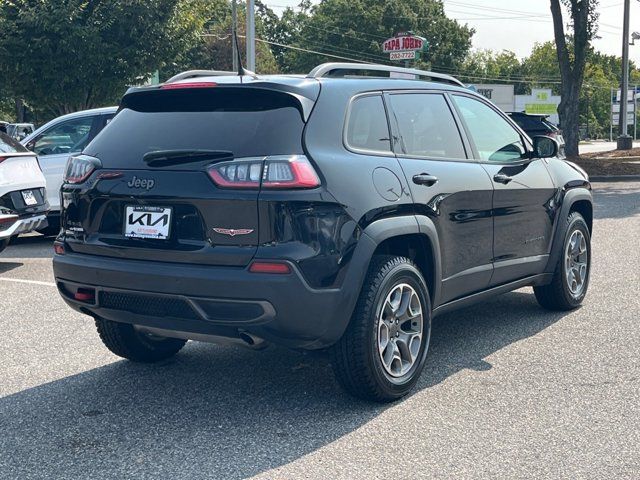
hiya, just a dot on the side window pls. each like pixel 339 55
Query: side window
pixel 67 137
pixel 367 127
pixel 495 139
pixel 426 126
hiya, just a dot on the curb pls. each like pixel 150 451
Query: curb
pixel 615 178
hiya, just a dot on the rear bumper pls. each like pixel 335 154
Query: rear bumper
pixel 221 301
pixel 24 225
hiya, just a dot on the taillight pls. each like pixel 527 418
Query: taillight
pixel 79 168
pixel 2 159
pixel 241 173
pixel 278 171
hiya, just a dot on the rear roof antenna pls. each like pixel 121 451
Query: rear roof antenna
pixel 241 70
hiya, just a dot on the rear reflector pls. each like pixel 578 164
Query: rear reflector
pixel 59 248
pixel 84 295
pixel 176 86
pixel 270 267
pixel 7 219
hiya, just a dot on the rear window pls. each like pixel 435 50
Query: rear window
pixel 246 122
pixel 9 145
pixel 529 123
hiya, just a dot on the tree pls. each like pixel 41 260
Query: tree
pixel 486 66
pixel 66 55
pixel 572 58
pixel 213 49
pixel 355 29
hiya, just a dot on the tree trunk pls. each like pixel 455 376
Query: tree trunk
pixel 572 69
pixel 569 113
pixel 19 110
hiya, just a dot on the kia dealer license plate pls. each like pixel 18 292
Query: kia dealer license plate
pixel 29 198
pixel 147 222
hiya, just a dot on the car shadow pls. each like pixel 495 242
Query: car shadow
pixel 225 412
pixel 8 266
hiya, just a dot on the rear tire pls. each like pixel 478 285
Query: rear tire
pixel 380 356
pixel 569 285
pixel 127 342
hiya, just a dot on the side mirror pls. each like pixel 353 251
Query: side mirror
pixel 545 147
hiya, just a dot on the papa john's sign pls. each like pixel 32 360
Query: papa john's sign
pixel 403 42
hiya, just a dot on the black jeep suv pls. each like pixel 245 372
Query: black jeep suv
pixel 341 211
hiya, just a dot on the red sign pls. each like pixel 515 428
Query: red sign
pixel 403 43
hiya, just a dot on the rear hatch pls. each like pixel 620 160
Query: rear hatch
pixel 179 172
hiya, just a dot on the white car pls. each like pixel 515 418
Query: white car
pixel 23 202
pixel 56 141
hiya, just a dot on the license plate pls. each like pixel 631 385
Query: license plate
pixel 29 198
pixel 147 222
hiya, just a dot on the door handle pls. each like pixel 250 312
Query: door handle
pixel 424 179
pixel 502 178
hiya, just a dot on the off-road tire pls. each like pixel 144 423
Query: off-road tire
pixel 355 358
pixel 556 295
pixel 127 342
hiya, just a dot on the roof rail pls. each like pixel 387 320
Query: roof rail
pixel 326 69
pixel 199 73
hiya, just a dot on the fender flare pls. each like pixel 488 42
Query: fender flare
pixel 379 231
pixel 569 199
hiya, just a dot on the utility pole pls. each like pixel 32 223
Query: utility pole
pixel 234 33
pixel 251 35
pixel 625 141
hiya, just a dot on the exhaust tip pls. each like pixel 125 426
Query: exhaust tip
pixel 253 341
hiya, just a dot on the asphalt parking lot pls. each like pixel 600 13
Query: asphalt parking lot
pixel 509 391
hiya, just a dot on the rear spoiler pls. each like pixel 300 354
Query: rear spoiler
pixel 306 97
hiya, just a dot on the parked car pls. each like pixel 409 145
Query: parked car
pixel 18 131
pixel 23 202
pixel 55 141
pixel 534 125
pixel 337 211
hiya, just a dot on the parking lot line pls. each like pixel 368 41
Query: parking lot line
pixel 33 282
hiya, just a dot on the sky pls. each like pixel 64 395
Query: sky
pixel 517 24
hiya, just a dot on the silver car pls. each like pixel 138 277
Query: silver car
pixel 55 141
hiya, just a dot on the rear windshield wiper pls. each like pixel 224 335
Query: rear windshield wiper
pixel 162 158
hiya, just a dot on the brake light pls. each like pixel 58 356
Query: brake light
pixel 281 171
pixel 270 267
pixel 176 86
pixel 79 168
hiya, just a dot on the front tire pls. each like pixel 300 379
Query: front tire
pixel 571 276
pixel 383 351
pixel 125 341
